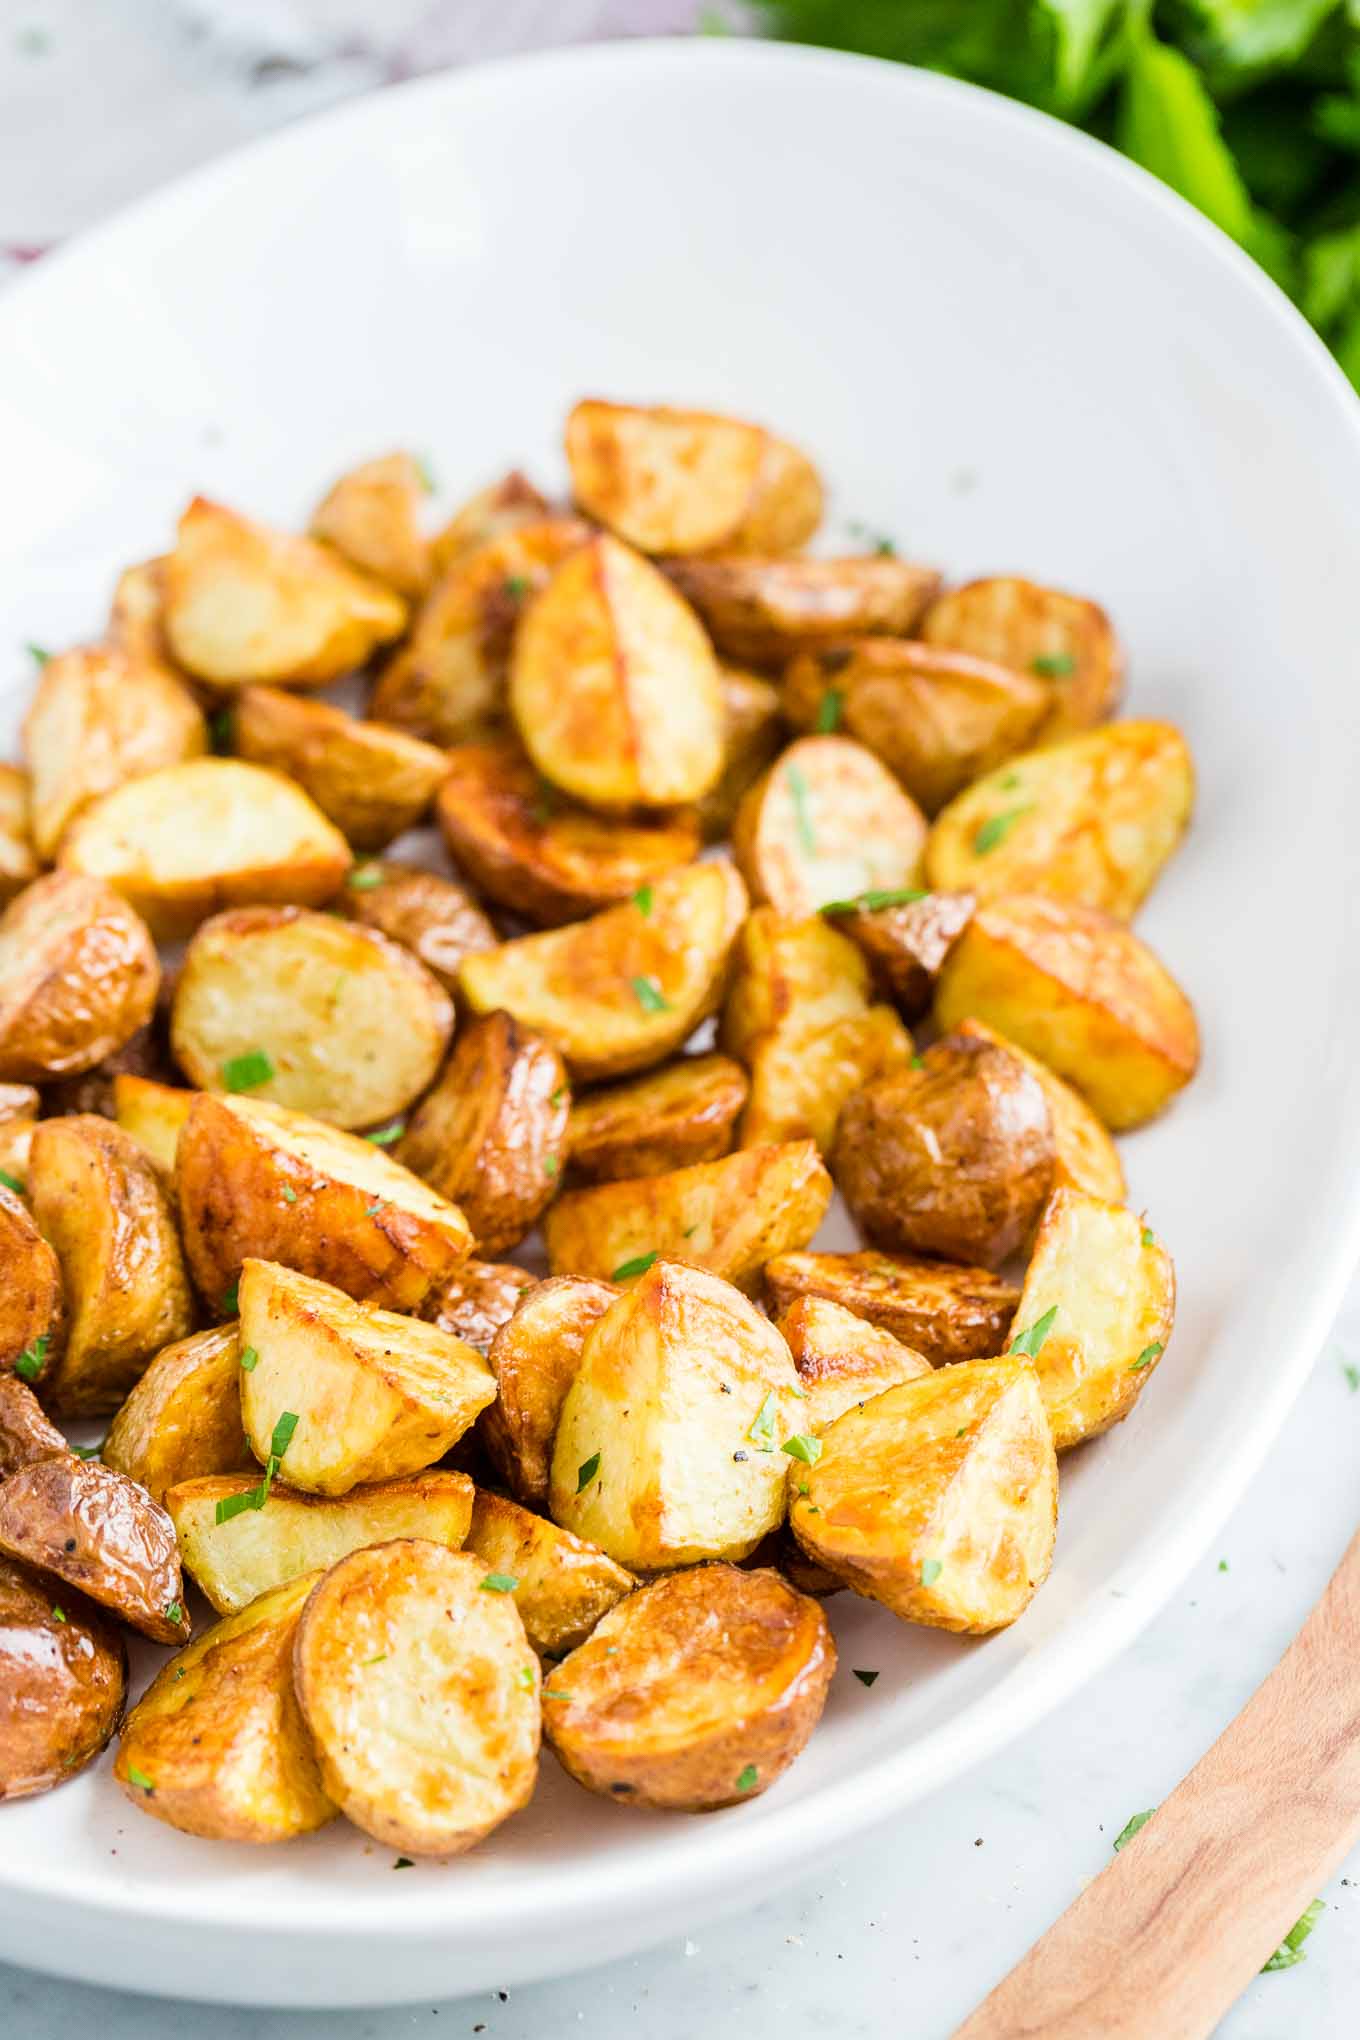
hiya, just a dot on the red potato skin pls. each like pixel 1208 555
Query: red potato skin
pixel 63 1683
pixel 96 1530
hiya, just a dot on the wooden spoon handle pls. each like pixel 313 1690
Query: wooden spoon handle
pixel 1166 1938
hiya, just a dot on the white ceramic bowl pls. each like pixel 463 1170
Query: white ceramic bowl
pixel 1009 349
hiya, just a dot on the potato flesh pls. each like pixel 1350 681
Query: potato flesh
pixel 97 1531
pixel 78 977
pixel 800 1082
pixel 372 516
pixel 18 861
pixel 562 1584
pixel 62 1683
pixel 682 1114
pixel 827 822
pixel 943 1311
pixel 841 1359
pixel 535 1357
pixel 751 736
pixel 763 611
pixel 1085 1158
pixel 182 1420
pixel 1061 638
pixel 790 971
pixel 32 1305
pixel 152 1114
pixel 372 782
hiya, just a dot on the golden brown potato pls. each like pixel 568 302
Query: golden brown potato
pixel 447 682
pixel 534 1357
pixel 255 1179
pixel 937 719
pixel 729 1216
pixel 802 1077
pixel 1085 1156
pixel 735 1668
pixel 562 1584
pixel 545 859
pixel 183 1418
pixel 144 1054
pixel 751 736
pixel 826 822
pixel 491 1136
pixel 939 1498
pixel 217 1746
pixel 672 481
pixel 626 988
pixel 372 1395
pixel 790 972
pixel 422 1695
pixel 372 516
pixel 153 1114
pixel 473 1303
pixel 136 623
pixel 233 1557
pixel 18 862
pixel 906 938
pixel 614 687
pixel 372 782
pixel 245 603
pixel 26 1433
pixel 669 1444
pixel 18 1101
pixel 96 1530
pixel 98 718
pixel 310 1012
pixel 842 1359
pixel 438 920
pixel 186 841
pixel 765 611
pixel 1091 819
pixel 1083 994
pixel 945 1312
pixel 32 1306
pixel 63 1676
pixel 651 1125
pixel 503 506
pixel 78 977
pixel 16 1139
pixel 100 1202
pixel 954 1158
pixel 1059 638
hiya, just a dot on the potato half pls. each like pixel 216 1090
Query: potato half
pixel 78 977
pixel 100 1532
pixel 32 1303
pixel 1084 1155
pixel 502 506
pixel 765 611
pixel 473 1303
pixel 906 938
pixel 842 1359
pixel 562 1584
pixel 18 859
pixel 790 972
pixel 1060 638
pixel 438 920
pixel 650 1125
pixel 372 782
pixel 136 623
pixel 183 1418
pixel 801 1079
pixel 63 1676
pixel 152 1113
pixel 826 822
pixel 372 516
pixel 535 1357
pixel 26 1432
pixel 945 1312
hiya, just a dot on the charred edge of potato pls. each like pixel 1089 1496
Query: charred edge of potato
pixel 63 1683
pixel 96 1530
pixel 943 1311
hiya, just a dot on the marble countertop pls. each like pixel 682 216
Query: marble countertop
pixel 908 1930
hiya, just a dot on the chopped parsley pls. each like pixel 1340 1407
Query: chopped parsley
pixel 174 1611
pixel 386 1136
pixel 289 1194
pixel 424 473
pixel 550 1165
pixel 37 653
pixel 500 1583
pixel 649 995
pixel 556 1098
pixel 1290 1949
pixel 379 1657
pixel 58 1614
pixel 829 711
pixel 526 1678
pixel 931 1568
pixel 220 731
pixel 140 1780
pixel 1352 1375
pixel 802 814
pixel 643 898
pixel 875 899
pixel 865 1678
pixel 800 1446
pixel 1149 1238
pixel 1032 1339
pixel 586 1472
pixel 918 1062
pixel 247 1072
pixel 1223 1565
pixel 761 1429
pixel 33 1359
pixel 365 877
pixel 250 1359
pixel 555 1693
pixel 885 548
pixel 1131 1827
pixel 374 1208
pixel 997 827
pixel 1146 1357
pixel 639 1265
pixel 256 1497
pixel 231 1300
pixel 1008 782
pixel 516 586
pixel 1053 665
pixel 87 1451
pixel 11 1182
pixel 747 1778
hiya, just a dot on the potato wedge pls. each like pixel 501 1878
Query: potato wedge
pixel 473 1303
pixel 734 1667
pixel 905 939
pixel 136 623
pixel 374 1395
pixel 63 1677
pixel 184 842
pixel 826 822
pixel 438 920
pixel 18 860
pixel 730 1216
pixel 1083 994
pixel 939 1498
pixel 32 1305
pixel 1085 1156
pixel 671 481
pixel 668 1445
pixel 422 1696
pixel 253 1179
pixel 1059 638
pixel 614 687
pixel 545 859
pixel 153 1114
pixel 182 1420
pixel 534 1357
pixel 1092 819
pixel 371 781
pixel 562 1584
pixel 18 1101
pixel 78 977
pixel 842 1360
pixel 942 1311
pixel 144 1054
pixel 250 1553
pixel 751 736
pixel 16 1139
pixel 651 1125
pixel 626 988
pixel 217 1746
pixel 372 516
pixel 937 719
pixel 503 506
pixel 955 1158
pixel 790 973
pixel 100 1202
pixel 802 1078
pixel 491 1136
pixel 26 1431
pixel 763 612
pixel 244 603
pixel 310 1012
pixel 96 1530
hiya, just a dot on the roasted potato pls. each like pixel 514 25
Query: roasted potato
pixel 153 1114
pixel 626 988
pixel 217 1746
pixel 144 1054
pixel 182 1420
pixel 372 516
pixel 735 1668
pixel 938 1498
pixel 944 1312
pixel 789 973
pixel 245 603
pixel 669 1443
pixel 1091 819
pixel 491 1136
pixel 18 861
pixel 310 1012
pixel 18 1101
pixel 96 1530
pixel 473 1303
pixel 751 736
pixel 422 1695
pixel 438 920
pixel 32 1304
pixel 651 1125
pixel 826 822
pixel 1083 994
pixel 63 1676
pixel 614 687
pixel 372 1395
pixel 503 506
pixel 136 623
pixel 16 1139
pixel 186 841
pixel 906 938
pixel 534 1357
pixel 562 1584
pixel 801 1078
pixel 537 854
pixel 26 1432
pixel 765 611
pixel 1085 1157
pixel 371 781
pixel 78 977
pixel 1059 638
pixel 255 1179
pixel 842 1359
pixel 99 1201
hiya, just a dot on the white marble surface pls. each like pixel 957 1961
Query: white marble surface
pixel 905 1933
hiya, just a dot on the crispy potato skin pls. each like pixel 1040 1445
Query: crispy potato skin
pixel 152 1114
pixel 78 977
pixel 372 516
pixel 762 612
pixel 1085 1156
pixel 1078 990
pixel 825 823
pixel 32 1304
pixel 944 1312
pixel 183 1418
pixel 906 945
pixel 438 920
pixel 564 1585
pixel 26 1433
pixel 735 1668
pixel 18 861
pixel 220 1735
pixel 535 1357
pixel 1019 624
pixel 677 1116
pixel 503 506
pixel 842 1360
pixel 751 736
pixel 422 1695
pixel 62 1684
pixel 492 1134
pixel 371 781
pixel 474 1303
pixel 96 1530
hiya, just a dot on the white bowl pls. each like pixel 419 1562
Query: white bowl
pixel 1009 349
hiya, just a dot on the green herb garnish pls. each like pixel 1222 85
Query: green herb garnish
pixel 365 877
pixel 997 827
pixel 289 1194
pixel 1053 665
pixel 526 1678
pixel 829 711
pixel 639 1265
pixel 140 1780
pixel 403 1863
pixel 379 1657
pixel 1031 1340
pixel 87 1451
pixel 516 586
pixel 648 994
pixel 1149 1237
pixel 425 473
pixel 1131 1827
pixel 556 1098
pixel 33 1359
pixel 256 1497
pixel 1146 1357
pixel 387 1136
pixel 875 899
pixel 865 1678
pixel 555 1693
pixel 550 1165
pixel 761 1429
pixel 1223 1565
pixel 586 1472
pixel 247 1072
pixel 500 1583
pixel 58 1614
pixel 250 1359
pixel 220 731
pixel 931 1568
pixel 37 653
pixel 747 1778
pixel 174 1612
pixel 11 1182
pixel 231 1300
pixel 643 898
pixel 1290 1949
pixel 800 1446
pixel 802 814
pixel 1352 1374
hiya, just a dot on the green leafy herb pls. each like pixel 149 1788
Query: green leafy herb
pixel 11 1182
pixel 1290 1949
pixel 220 731
pixel 174 1612
pixel 231 1300
pixel 747 1778
pixel 648 994
pixel 586 1472
pixel 884 547
pixel 997 827
pixel 365 877
pixel 1149 1237
pixel 403 1863
pixel 379 1657
pixel 1132 1825
pixel 500 1583
pixel 387 1136
pixel 1053 665
pixel 557 1096
pixel 517 586
pixel 1352 1374
pixel 800 1446
pixel 33 1359
pixel 1008 782
pixel 761 1429
pixel 550 1165
pixel 37 654
pixel 289 1194
pixel 256 1497
pixel 829 711
pixel 865 1678
pixel 875 899
pixel 555 1693
pixel 372 1210
pixel 802 811
pixel 140 1780
pixel 1223 1565
pixel 1031 1340
pixel 1146 1357
pixel 918 1062
pixel 425 473
pixel 247 1072
pixel 643 898
pixel 639 1265
pixel 931 1569
pixel 250 1359
pixel 283 1434
pixel 87 1451
pixel 58 1615
pixel 526 1678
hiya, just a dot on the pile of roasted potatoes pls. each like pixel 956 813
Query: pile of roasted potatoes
pixel 399 1506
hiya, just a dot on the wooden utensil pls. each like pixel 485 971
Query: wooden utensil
pixel 1164 1940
